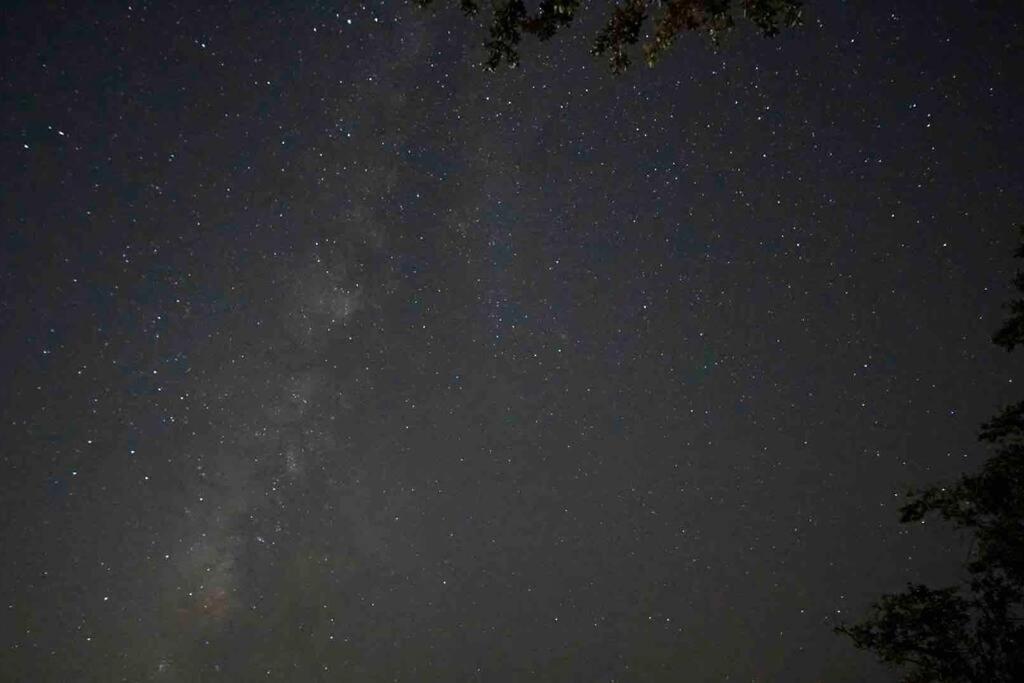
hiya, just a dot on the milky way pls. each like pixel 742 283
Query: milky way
pixel 329 356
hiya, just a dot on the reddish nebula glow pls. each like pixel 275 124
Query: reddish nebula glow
pixel 210 604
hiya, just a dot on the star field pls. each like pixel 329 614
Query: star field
pixel 328 356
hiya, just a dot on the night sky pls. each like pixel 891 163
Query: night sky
pixel 327 356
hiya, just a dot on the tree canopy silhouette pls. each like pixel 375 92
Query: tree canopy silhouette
pixel 625 24
pixel 974 631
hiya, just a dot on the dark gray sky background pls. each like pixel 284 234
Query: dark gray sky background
pixel 328 357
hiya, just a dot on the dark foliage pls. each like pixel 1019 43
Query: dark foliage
pixel 972 632
pixel 1012 332
pixel 510 19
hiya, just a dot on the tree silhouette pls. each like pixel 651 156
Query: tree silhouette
pixel 510 20
pixel 974 631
